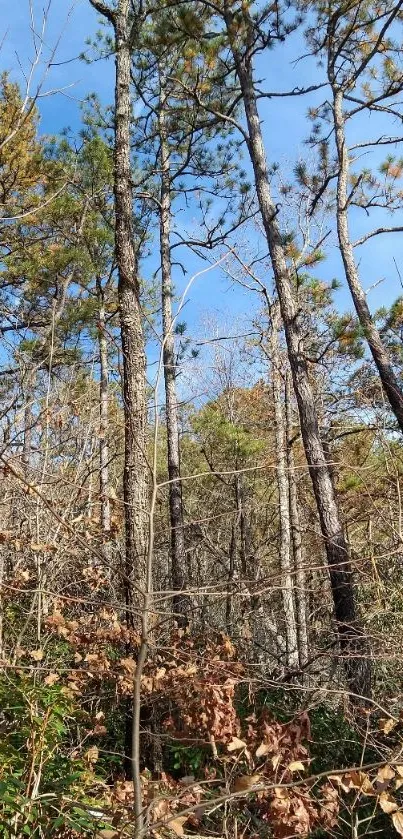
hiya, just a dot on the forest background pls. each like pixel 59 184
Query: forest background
pixel 201 407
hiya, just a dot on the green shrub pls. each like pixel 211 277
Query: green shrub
pixel 45 787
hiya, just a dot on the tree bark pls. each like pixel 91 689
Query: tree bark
pixel 135 472
pixel 103 420
pixel 352 641
pixel 379 353
pixel 29 420
pixel 135 475
pixel 287 587
pixel 178 553
pixel 243 531
pixel 230 583
pixel 296 536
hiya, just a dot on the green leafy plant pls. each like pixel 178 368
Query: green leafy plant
pixel 44 785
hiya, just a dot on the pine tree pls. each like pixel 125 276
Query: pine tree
pixel 360 53
pixel 245 36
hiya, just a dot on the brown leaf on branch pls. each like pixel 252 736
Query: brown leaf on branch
pixel 296 766
pixel 236 744
pixel 385 773
pixel 387 803
pixel 397 819
pixel 245 782
pixel 128 664
pixel 262 750
pixel 354 781
pixel 176 825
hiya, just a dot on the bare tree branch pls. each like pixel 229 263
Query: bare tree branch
pixel 104 10
pixel 376 233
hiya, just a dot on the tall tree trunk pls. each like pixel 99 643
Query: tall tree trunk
pixel 287 587
pixel 379 353
pixel 243 534
pixel 135 475
pixel 28 420
pixel 178 553
pixel 103 420
pixel 296 536
pixel 352 641
pixel 2 568
pixel 229 602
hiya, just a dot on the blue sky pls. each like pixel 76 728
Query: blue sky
pixel 284 130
